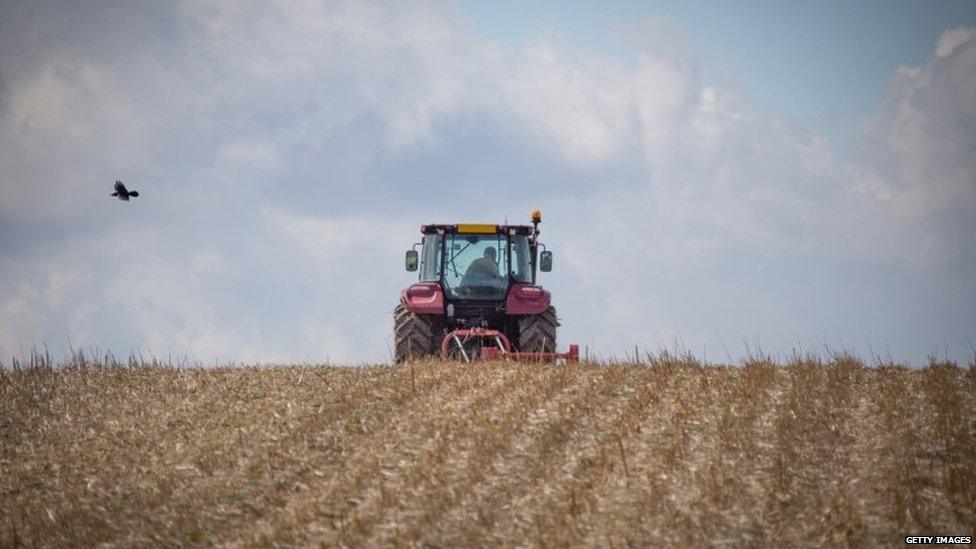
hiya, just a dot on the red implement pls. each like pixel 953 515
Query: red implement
pixel 488 344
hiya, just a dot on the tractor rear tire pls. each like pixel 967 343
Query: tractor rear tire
pixel 538 332
pixel 416 335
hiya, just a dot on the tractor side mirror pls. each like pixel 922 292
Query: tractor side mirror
pixel 411 260
pixel 545 261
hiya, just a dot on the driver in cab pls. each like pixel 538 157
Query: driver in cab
pixel 484 266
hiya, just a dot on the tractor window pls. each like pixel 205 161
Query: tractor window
pixel 430 262
pixel 521 259
pixel 476 266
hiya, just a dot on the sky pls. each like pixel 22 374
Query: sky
pixel 721 178
pixel 817 63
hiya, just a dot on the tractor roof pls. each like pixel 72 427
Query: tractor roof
pixel 475 228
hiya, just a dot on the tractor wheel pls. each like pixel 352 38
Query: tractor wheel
pixel 416 335
pixel 538 332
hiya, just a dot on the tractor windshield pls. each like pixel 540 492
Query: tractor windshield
pixel 476 266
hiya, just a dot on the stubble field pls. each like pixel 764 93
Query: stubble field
pixel 451 455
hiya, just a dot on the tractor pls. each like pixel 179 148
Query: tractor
pixel 477 296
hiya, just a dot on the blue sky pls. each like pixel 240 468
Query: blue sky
pixel 718 177
pixel 809 61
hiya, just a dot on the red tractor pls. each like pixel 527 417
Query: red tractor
pixel 477 296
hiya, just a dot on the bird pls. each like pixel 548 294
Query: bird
pixel 122 192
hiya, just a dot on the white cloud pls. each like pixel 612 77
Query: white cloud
pixel 952 39
pixel 920 180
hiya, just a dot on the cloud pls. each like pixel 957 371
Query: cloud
pixel 951 39
pixel 287 152
pixel 919 177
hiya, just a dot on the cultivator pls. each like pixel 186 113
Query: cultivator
pixel 471 344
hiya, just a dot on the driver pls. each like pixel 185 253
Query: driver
pixel 484 266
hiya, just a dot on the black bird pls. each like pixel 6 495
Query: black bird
pixel 122 192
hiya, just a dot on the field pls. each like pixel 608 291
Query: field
pixel 448 455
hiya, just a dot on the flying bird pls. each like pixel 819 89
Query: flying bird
pixel 122 192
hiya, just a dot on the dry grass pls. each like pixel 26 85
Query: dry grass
pixel 449 455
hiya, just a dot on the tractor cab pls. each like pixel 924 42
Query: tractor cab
pixel 475 261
